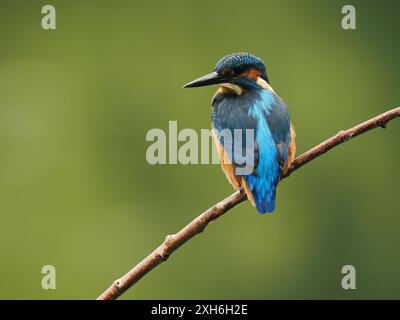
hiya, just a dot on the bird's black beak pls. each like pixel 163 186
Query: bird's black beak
pixel 208 79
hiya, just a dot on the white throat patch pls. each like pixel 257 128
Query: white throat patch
pixel 233 87
pixel 264 84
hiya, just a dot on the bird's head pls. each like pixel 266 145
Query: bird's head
pixel 237 72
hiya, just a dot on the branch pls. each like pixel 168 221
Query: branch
pixel 173 242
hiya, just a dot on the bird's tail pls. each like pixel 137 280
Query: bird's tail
pixel 266 204
pixel 263 204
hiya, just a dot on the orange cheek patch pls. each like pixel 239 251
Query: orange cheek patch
pixel 253 74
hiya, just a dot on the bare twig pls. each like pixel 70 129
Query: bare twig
pixel 173 242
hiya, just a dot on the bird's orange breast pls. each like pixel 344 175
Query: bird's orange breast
pixel 291 149
pixel 226 164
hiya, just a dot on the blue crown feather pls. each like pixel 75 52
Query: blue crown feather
pixel 241 61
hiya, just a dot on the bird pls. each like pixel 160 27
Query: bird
pixel 245 101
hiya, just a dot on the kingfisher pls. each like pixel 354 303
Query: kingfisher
pixel 245 101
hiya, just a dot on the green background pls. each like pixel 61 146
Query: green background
pixel 76 191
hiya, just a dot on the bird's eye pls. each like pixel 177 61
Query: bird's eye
pixel 230 72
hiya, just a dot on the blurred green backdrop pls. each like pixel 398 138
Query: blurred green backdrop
pixel 76 191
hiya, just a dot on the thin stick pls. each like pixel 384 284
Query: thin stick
pixel 173 242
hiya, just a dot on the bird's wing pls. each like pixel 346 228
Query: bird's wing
pixel 278 120
pixel 230 115
pixel 236 130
